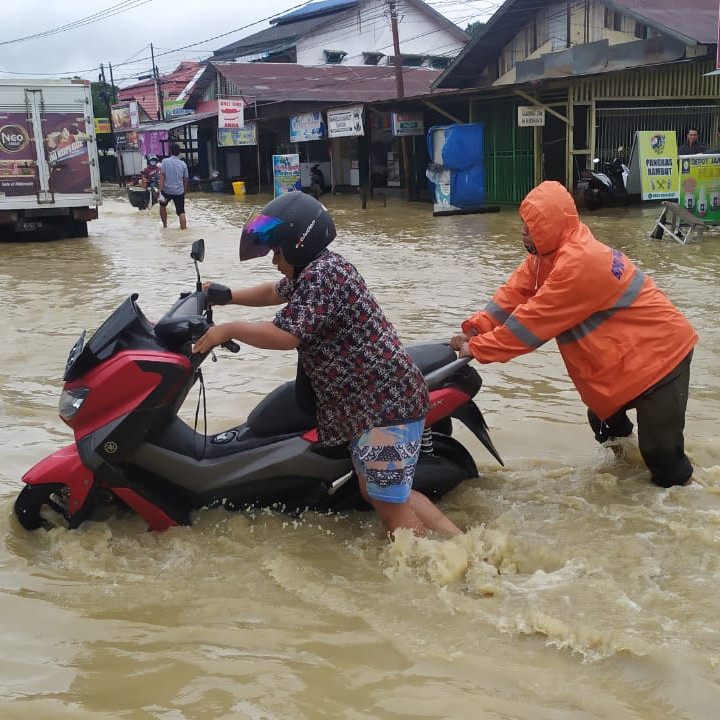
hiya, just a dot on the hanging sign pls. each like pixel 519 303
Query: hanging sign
pixel 237 137
pixel 307 126
pixel 531 116
pixel 407 124
pixel 346 122
pixel 231 112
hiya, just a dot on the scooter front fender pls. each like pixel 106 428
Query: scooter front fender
pixel 64 466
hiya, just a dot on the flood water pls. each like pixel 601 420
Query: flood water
pixel 579 591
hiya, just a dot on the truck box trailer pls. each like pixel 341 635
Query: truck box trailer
pixel 49 170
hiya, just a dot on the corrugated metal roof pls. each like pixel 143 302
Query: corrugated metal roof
pixel 694 21
pixel 315 9
pixel 288 82
pixel 172 84
pixel 172 124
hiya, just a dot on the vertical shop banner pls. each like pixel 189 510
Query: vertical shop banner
pixel 700 186
pixel 18 168
pixel 125 116
pixel 407 124
pixel 656 164
pixel 237 137
pixel 231 113
pixel 345 122
pixel 286 173
pixel 66 148
pixel 307 126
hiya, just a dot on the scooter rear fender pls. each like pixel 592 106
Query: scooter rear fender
pixel 64 466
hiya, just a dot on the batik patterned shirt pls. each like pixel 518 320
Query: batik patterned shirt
pixel 360 372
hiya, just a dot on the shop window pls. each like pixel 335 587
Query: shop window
pixel 334 57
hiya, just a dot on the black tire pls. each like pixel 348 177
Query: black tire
pixel 33 498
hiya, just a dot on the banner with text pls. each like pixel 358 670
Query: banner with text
pixel 346 122
pixel 286 173
pixel 238 137
pixel 125 116
pixel 307 126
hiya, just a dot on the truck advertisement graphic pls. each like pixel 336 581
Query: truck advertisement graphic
pixel 66 147
pixel 18 169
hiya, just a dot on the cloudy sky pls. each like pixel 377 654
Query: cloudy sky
pixel 47 39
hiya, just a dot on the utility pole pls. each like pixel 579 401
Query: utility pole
pixel 156 82
pixel 401 94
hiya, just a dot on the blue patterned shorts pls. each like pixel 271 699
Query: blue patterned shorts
pixel 386 458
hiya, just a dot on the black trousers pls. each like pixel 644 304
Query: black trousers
pixel 661 422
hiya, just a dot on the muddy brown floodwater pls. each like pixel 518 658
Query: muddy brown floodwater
pixel 580 591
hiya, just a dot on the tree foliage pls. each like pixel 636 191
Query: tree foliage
pixel 473 29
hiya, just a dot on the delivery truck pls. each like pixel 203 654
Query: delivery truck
pixel 49 170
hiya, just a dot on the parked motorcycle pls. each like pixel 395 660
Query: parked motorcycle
pixel 123 389
pixel 317 181
pixel 604 187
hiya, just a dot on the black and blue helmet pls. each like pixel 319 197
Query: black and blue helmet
pixel 295 223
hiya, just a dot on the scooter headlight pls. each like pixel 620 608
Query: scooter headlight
pixel 71 401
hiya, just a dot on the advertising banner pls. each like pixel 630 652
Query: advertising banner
pixel 18 169
pixel 125 116
pixel 345 122
pixel 66 149
pixel 237 137
pixel 407 124
pixel 286 173
pixel 307 126
pixel 656 163
pixel 700 186
pixel 153 142
pixel 231 113
pixel 102 125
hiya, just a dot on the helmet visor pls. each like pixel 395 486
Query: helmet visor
pixel 257 236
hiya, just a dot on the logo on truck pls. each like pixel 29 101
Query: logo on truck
pixel 13 138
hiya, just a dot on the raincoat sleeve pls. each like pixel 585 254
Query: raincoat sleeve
pixel 519 287
pixel 531 318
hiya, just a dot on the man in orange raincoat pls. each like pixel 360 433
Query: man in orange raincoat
pixel 625 345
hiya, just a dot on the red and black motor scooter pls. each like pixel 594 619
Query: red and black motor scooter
pixel 124 387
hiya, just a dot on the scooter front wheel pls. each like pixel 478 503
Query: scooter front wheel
pixel 36 501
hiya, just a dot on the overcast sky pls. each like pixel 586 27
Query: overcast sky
pixel 121 31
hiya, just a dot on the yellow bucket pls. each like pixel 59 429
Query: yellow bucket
pixel 239 187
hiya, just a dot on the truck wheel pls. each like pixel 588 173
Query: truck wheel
pixel 78 228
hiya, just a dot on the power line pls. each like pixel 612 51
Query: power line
pixel 89 20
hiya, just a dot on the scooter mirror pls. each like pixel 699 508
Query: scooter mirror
pixel 198 250
pixel 596 161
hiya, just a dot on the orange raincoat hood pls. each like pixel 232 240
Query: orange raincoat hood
pixel 551 216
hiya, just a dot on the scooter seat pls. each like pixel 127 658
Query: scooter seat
pixel 432 355
pixel 279 413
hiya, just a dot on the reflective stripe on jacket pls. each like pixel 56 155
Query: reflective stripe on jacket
pixel 617 332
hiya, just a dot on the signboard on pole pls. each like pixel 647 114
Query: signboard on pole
pixel 407 124
pixel 125 116
pixel 307 126
pixel 286 173
pixel 231 112
pixel 346 122
pixel 653 165
pixel 531 116
pixel 700 186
